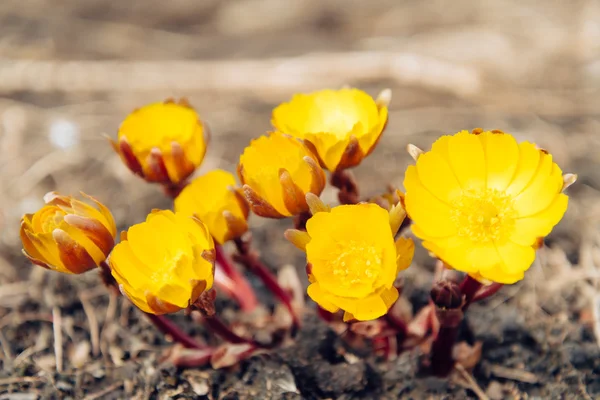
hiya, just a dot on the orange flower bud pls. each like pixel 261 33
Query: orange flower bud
pixel 213 198
pixel 68 235
pixel 162 142
pixel 277 172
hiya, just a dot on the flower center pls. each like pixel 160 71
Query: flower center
pixel 484 215
pixel 355 263
pixel 50 219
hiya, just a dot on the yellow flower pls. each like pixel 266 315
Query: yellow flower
pixel 342 126
pixel 214 200
pixel 68 235
pixel 352 258
pixel 164 264
pixel 480 202
pixel 276 172
pixel 162 142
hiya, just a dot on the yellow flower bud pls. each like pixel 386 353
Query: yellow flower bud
pixel 162 142
pixel 164 264
pixel 353 260
pixel 215 201
pixel 480 201
pixel 277 171
pixel 68 235
pixel 341 126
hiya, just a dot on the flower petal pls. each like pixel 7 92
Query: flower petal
pixel 528 229
pixel 542 191
pixel 405 249
pixel 502 157
pixel 321 297
pixel 466 156
pixel 529 163
pixel 437 176
pixel 428 212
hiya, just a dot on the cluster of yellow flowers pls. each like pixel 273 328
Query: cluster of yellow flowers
pixel 480 201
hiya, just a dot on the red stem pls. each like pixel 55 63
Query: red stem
pixel 221 329
pixel 469 287
pixel 169 328
pixel 243 293
pixel 441 351
pixel 487 291
pixel 254 265
pixel 193 360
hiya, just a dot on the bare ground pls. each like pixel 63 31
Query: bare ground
pixel 530 68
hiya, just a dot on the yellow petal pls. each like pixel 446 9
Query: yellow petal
pixel 428 212
pixel 321 298
pixel 364 309
pixel 516 260
pixel 541 192
pixel 262 161
pixel 328 118
pixel 467 160
pixel 529 162
pixel 528 229
pixel 405 249
pixel 208 197
pixel 329 146
pixel 437 177
pixel 502 156
pixel 389 296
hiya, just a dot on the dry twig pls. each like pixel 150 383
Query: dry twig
pixel 465 379
pixel 90 313
pixel 104 391
pixel 514 374
pixel 58 341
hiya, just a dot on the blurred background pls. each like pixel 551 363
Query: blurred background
pixel 70 71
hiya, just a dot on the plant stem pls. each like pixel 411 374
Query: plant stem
pixel 250 260
pixel 442 361
pixel 173 190
pixel 447 298
pixel 345 182
pixel 243 292
pixel 169 328
pixel 195 359
pixel 221 329
pixel 469 287
pixel 487 291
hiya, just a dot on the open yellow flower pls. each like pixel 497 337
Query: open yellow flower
pixel 162 142
pixel 215 201
pixel 352 258
pixel 68 235
pixel 164 264
pixel 276 172
pixel 342 126
pixel 480 202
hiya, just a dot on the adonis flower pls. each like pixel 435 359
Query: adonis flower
pixel 164 264
pixel 352 258
pixel 162 142
pixel 277 172
pixel 215 201
pixel 480 201
pixel 68 235
pixel 342 126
